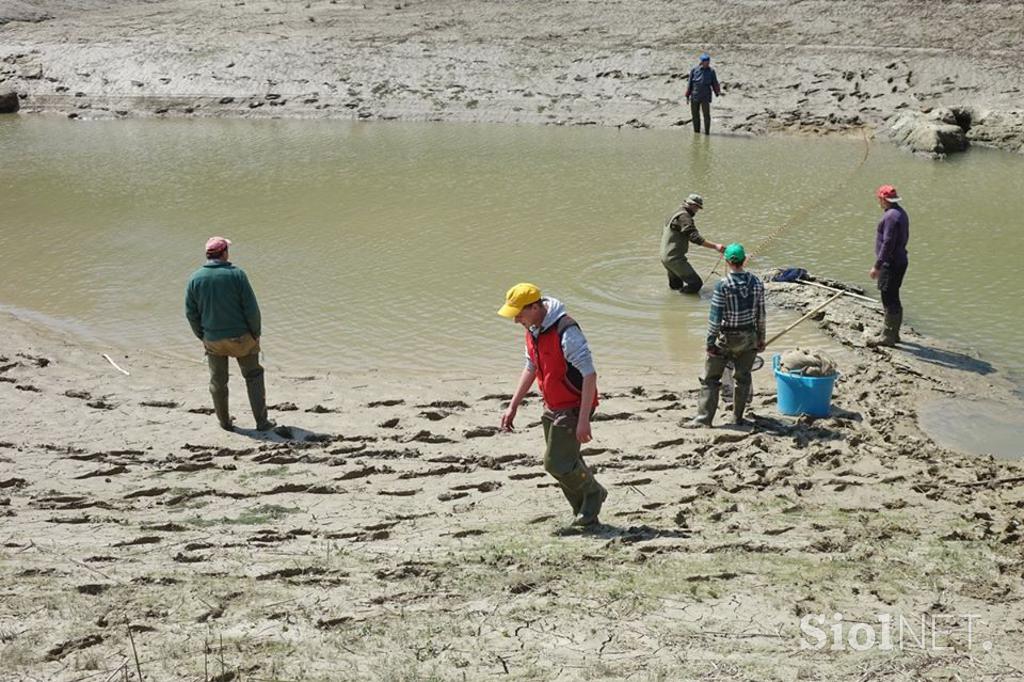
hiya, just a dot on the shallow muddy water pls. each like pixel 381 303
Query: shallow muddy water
pixel 390 245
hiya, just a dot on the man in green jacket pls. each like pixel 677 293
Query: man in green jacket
pixel 221 308
pixel 676 238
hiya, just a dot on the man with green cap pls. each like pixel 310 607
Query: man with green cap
pixel 221 309
pixel 558 358
pixel 736 334
pixel 676 238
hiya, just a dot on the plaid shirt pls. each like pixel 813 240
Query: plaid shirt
pixel 738 303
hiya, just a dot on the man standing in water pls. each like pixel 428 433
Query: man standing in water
pixel 221 308
pixel 703 81
pixel 680 231
pixel 736 333
pixel 557 355
pixel 891 237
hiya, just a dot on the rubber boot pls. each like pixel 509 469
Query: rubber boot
pixel 258 402
pixel 708 404
pixel 591 509
pixel 892 326
pixel 575 498
pixel 890 334
pixel 220 408
pixel 580 484
pixel 219 390
pixel 741 396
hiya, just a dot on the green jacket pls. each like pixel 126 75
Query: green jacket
pixel 220 303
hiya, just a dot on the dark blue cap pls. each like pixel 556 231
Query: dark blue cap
pixel 705 57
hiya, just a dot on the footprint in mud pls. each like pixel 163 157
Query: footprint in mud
pixel 331 623
pixel 481 432
pixel 147 492
pixel 64 648
pixel 401 493
pixel 165 527
pixel 320 409
pixel 93 589
pixel 434 416
pixel 364 472
pixel 386 403
pixel 389 423
pixel 144 540
pixel 407 569
pixel 28 388
pixel 496 396
pixel 448 497
pixel 485 487
pixel 438 471
pixel 472 532
pixel 612 416
pixel 283 407
pixel 447 405
pixel 201 410
pixel 37 360
pixel 527 475
pixel 100 404
pixel 428 437
pixel 114 471
pixel 168 404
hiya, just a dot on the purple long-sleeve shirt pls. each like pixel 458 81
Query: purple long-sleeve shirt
pixel 891 237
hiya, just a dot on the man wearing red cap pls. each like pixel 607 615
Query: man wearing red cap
pixel 558 358
pixel 221 308
pixel 891 237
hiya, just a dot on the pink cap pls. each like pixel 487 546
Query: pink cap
pixel 888 192
pixel 216 245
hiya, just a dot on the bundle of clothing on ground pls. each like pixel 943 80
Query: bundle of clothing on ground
pixel 809 363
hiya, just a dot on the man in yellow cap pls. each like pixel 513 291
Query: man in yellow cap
pixel 558 357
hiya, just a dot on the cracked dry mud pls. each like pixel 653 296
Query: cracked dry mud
pixel 438 549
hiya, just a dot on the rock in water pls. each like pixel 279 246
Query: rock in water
pixel 935 133
pixel 9 102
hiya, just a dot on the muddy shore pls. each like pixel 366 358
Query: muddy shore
pixel 396 535
pixel 814 67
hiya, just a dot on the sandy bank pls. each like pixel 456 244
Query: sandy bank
pixel 397 536
pixel 813 67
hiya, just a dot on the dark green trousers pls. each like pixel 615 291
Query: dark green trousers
pixel 563 461
pixel 252 372
pixel 741 349
pixel 682 277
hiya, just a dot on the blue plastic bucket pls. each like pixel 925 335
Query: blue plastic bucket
pixel 803 395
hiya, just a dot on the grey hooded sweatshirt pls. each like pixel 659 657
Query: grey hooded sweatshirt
pixel 574 344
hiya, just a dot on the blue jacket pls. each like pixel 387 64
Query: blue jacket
pixel 702 82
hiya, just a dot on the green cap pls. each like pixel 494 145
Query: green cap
pixel 734 253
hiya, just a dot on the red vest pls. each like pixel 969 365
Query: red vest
pixel 560 383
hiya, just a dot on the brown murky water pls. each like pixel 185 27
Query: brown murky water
pixel 390 245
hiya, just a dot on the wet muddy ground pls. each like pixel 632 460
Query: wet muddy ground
pixel 395 534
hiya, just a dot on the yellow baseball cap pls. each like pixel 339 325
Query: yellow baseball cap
pixel 517 298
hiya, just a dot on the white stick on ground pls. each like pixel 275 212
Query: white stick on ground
pixel 848 293
pixel 122 371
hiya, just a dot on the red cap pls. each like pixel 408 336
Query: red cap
pixel 888 192
pixel 216 245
